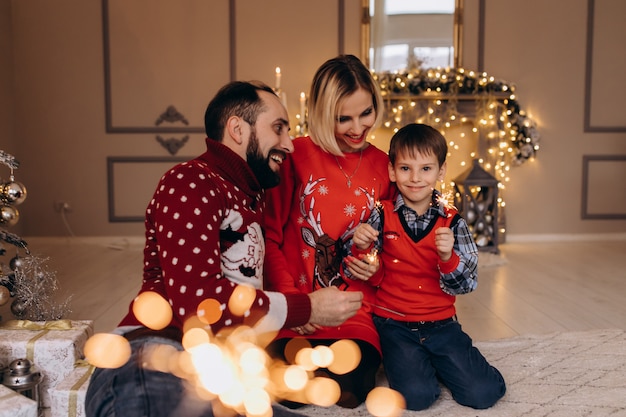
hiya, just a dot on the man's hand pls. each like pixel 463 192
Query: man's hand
pixel 331 307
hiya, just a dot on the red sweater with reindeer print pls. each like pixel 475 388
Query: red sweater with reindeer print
pixel 315 209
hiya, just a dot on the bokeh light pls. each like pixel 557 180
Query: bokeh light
pixel 257 402
pixel 322 356
pixel 194 337
pixel 347 356
pixel 385 402
pixel 295 377
pixel 241 299
pixel 304 359
pixel 322 391
pixel 209 311
pixel 152 310
pixel 293 346
pixel 107 350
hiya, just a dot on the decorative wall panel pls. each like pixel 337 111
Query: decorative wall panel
pixel 599 173
pixel 159 53
pixel 128 198
pixel 606 66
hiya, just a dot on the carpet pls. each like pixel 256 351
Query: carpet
pixel 570 374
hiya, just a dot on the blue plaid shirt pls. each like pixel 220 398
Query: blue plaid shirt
pixel 464 278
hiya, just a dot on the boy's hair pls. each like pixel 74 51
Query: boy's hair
pixel 418 138
pixel 237 98
pixel 334 80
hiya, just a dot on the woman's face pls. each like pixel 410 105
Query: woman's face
pixel 356 117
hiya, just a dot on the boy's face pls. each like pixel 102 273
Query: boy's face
pixel 416 177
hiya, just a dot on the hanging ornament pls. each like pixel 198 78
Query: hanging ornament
pixel 481 240
pixel 470 216
pixel 15 262
pixel 18 308
pixel 13 192
pixel 5 295
pixel 8 281
pixel 9 215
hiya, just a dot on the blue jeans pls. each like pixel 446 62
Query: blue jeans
pixel 417 359
pixel 134 391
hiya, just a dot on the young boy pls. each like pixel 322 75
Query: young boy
pixel 427 256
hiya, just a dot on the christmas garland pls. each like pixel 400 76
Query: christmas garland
pixel 449 83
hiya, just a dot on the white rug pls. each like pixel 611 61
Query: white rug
pixel 571 374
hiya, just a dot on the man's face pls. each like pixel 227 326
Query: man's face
pixel 269 141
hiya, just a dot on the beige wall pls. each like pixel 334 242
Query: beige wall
pixel 52 101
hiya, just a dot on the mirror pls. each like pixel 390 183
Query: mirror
pixel 402 35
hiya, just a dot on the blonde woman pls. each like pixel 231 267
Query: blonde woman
pixel 328 186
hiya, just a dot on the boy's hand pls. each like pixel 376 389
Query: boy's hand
pixel 364 235
pixel 444 241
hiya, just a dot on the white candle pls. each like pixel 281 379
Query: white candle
pixel 302 105
pixel 278 75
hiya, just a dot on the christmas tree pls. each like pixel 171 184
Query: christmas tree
pixel 25 278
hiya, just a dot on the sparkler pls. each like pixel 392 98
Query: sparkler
pixel 445 199
pixel 384 308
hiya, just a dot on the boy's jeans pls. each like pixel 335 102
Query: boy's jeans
pixel 418 356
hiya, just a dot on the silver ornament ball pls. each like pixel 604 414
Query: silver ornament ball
pixel 9 215
pixel 13 192
pixel 16 262
pixel 18 308
pixel 470 216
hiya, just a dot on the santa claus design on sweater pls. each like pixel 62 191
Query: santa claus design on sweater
pixel 243 259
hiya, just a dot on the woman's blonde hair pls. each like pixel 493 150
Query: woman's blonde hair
pixel 335 80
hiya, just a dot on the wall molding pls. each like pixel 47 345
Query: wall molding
pixel 108 101
pixel 589 71
pixel 586 198
pixel 110 126
pixel 112 163
pixel 579 237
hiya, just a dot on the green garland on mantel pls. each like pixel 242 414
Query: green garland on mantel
pixel 458 83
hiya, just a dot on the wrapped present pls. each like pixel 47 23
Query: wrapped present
pixel 13 404
pixel 53 347
pixel 68 396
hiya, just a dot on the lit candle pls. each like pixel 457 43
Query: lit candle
pixel 302 106
pixel 278 75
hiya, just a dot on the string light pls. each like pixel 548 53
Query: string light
pixel 506 135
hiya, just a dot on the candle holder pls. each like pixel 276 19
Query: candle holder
pixel 21 376
pixel 476 196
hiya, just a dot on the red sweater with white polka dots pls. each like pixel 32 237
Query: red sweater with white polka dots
pixel 204 236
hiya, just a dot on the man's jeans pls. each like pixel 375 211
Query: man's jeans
pixel 132 391
pixel 417 359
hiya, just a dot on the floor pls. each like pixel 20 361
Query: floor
pixel 531 288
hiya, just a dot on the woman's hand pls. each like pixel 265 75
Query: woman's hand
pixel 305 329
pixel 363 268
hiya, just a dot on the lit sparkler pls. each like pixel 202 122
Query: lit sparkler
pixel 445 199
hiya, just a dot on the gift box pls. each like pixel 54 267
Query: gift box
pixel 53 347
pixel 13 404
pixel 68 396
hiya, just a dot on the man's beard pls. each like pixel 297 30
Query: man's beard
pixel 260 165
